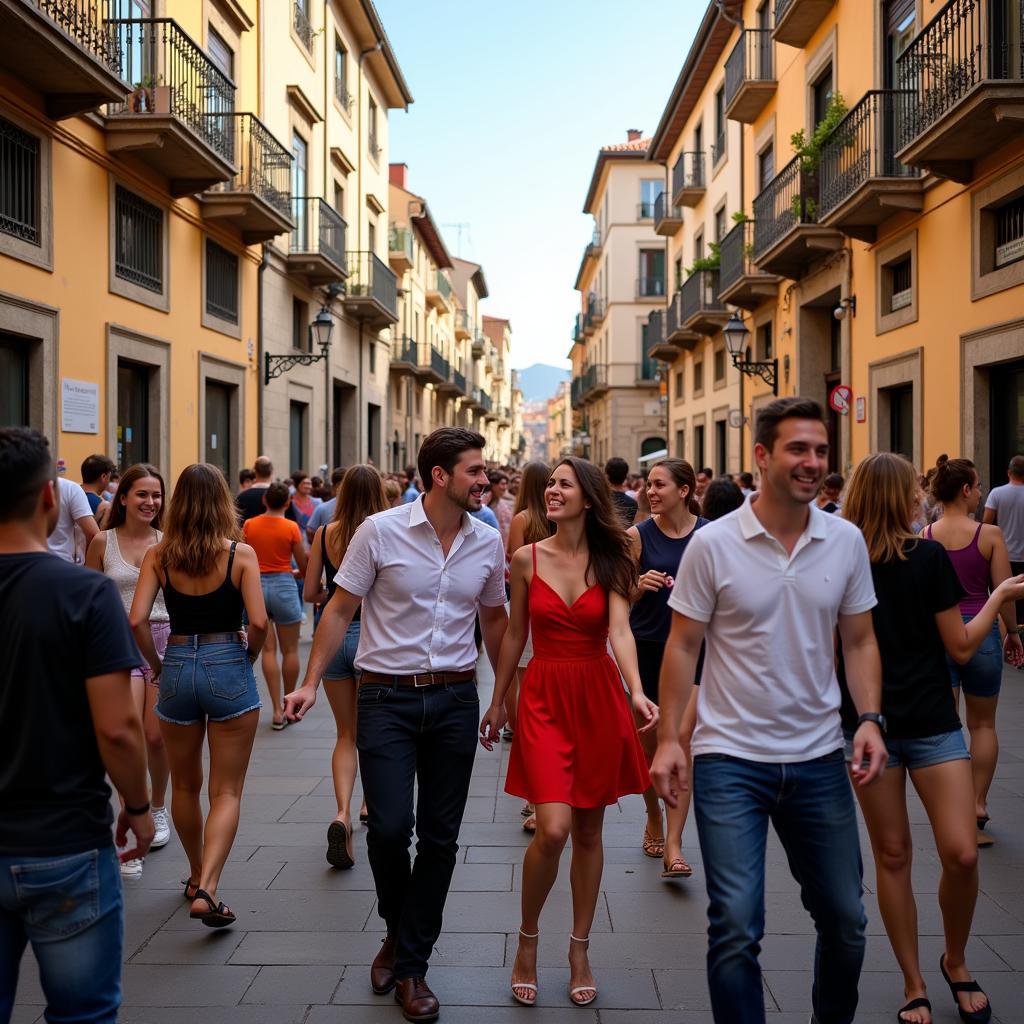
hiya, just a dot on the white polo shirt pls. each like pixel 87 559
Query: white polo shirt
pixel 769 691
pixel 419 608
pixel 67 541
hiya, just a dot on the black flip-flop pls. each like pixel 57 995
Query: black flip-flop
pixel 914 1004
pixel 337 846
pixel 982 1016
pixel 218 916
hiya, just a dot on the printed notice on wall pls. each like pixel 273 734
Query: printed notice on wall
pixel 79 406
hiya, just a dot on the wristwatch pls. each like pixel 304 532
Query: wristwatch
pixel 134 812
pixel 873 716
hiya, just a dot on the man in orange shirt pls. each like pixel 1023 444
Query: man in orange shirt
pixel 277 541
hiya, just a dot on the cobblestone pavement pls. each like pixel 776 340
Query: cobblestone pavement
pixel 305 934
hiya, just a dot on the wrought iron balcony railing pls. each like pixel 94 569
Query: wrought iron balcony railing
pixel 405 350
pixel 654 329
pixel 370 277
pixel 444 287
pixel 688 172
pixel 301 24
pixel 789 199
pixel 650 287
pixel 459 379
pixel 431 355
pixel 400 240
pixel 318 229
pixel 750 61
pixel 264 165
pixel 700 295
pixel 737 255
pixel 665 209
pixel 88 23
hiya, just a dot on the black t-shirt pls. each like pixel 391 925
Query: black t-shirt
pixel 625 506
pixel 917 692
pixel 250 504
pixel 62 624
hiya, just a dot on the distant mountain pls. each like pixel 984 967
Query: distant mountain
pixel 540 381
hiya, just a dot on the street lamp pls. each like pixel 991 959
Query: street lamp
pixel 319 334
pixel 736 334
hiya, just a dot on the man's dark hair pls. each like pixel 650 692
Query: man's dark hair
pixel 264 468
pixel 337 475
pixel 706 471
pixel 443 448
pixel 496 477
pixel 246 475
pixel 747 480
pixel 616 470
pixel 277 496
pixel 833 482
pixel 95 466
pixel 1016 467
pixel 25 465
pixel 410 473
pixel 791 408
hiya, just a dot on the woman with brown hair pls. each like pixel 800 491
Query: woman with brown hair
pixel 205 680
pixel 576 749
pixel 361 495
pixel 131 528
pixel 916 621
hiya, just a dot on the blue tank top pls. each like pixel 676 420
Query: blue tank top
pixel 651 617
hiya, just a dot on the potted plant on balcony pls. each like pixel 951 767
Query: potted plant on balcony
pixel 710 262
pixel 805 201
pixel 147 95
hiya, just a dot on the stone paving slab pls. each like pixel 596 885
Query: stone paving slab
pixel 306 934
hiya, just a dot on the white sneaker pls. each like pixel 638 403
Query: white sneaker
pixel 132 868
pixel 162 820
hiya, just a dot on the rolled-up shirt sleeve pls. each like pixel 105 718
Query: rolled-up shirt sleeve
pixel 493 593
pixel 693 593
pixel 359 566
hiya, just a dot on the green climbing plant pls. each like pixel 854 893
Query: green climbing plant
pixel 809 149
pixel 710 262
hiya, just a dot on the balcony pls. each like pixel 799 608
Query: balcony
pixel 797 20
pixel 594 383
pixel 64 49
pixel 439 292
pixel 371 294
pixel 479 344
pixel 404 357
pixel 740 283
pixel 594 316
pixel 459 380
pixel 675 332
pixel 650 287
pixel 594 246
pixel 576 391
pixel 577 329
pixel 431 365
pixel 257 199
pixel 965 69
pixel 749 75
pixel 655 344
pixel 703 310
pixel 688 179
pixel 861 181
pixel 668 218
pixel 317 246
pixel 787 236
pixel 401 251
pixel 463 325
pixel 179 119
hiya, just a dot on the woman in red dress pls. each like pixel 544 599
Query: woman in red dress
pixel 576 748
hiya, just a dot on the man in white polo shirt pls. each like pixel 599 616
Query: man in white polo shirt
pixel 423 572
pixel 767 585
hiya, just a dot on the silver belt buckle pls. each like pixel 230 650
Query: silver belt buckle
pixel 417 685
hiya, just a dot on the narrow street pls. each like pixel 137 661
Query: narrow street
pixel 306 934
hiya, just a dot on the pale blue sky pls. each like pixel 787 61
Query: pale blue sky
pixel 513 98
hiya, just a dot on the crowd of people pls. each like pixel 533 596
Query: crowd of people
pixel 782 652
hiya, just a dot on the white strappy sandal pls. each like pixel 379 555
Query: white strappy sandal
pixel 592 989
pixel 527 986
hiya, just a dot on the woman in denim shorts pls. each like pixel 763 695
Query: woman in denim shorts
pixel 917 621
pixel 982 562
pixel 206 685
pixel 360 494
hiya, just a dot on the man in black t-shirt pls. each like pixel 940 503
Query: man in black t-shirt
pixel 250 501
pixel 616 470
pixel 67 719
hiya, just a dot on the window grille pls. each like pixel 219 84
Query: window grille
pixel 19 183
pixel 221 283
pixel 139 228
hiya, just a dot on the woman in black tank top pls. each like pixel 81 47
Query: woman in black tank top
pixel 360 494
pixel 205 680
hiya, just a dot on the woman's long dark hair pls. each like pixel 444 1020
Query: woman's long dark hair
pixel 682 476
pixel 609 554
pixel 530 500
pixel 118 514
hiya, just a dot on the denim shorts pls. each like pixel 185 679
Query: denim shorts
pixel 214 681
pixel 981 676
pixel 922 752
pixel 343 664
pixel 281 597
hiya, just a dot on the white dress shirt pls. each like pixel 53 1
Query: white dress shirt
pixel 419 608
pixel 769 690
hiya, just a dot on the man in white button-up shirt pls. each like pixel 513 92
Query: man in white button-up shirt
pixel 423 572
pixel 767 586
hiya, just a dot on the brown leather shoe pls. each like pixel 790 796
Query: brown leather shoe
pixel 418 1002
pixel 382 970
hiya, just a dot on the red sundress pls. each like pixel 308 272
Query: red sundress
pixel 576 742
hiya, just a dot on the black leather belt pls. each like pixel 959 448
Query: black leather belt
pixel 200 639
pixel 420 680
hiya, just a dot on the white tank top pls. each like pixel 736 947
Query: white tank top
pixel 126 576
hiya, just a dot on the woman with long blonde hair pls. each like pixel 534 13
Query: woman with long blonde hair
pixel 206 684
pixel 360 495
pixel 917 620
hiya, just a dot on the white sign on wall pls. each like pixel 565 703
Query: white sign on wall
pixel 79 406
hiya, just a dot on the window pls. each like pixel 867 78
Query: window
pixel 300 151
pixel 896 283
pixel 652 272
pixel 822 96
pixel 19 183
pixel 720 366
pixel 650 189
pixel 371 236
pixel 698 378
pixel 14 382
pixel 721 446
pixel 371 121
pixel 297 412
pixel 901 419
pixel 222 56
pixel 698 245
pixel 301 23
pixel 765 342
pixel 138 235
pixel 339 199
pixel 720 229
pixel 300 318
pixel 1009 222
pixel 417 401
pixel 900 289
pixel 677 274
pixel 765 166
pixel 218 440
pixel 718 150
pixel 132 413
pixel 221 283
pixel 341 76
pixel 698 139
pixel 680 444
pixel 679 386
pixel 698 446
pixel 373 357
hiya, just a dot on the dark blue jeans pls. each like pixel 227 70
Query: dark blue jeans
pixel 71 909
pixel 810 804
pixel 404 735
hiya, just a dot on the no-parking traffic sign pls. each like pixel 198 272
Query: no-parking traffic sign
pixel 840 398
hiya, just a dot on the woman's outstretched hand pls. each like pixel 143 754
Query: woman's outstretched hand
pixel 490 725
pixel 646 712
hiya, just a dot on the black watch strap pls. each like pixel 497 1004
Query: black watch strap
pixel 872 716
pixel 136 811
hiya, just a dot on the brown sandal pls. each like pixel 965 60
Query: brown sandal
pixel 677 869
pixel 653 847
pixel 218 916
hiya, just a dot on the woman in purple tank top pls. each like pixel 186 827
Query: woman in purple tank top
pixel 979 556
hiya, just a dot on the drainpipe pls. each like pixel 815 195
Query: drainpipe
pixel 328 390
pixel 846 361
pixel 259 350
